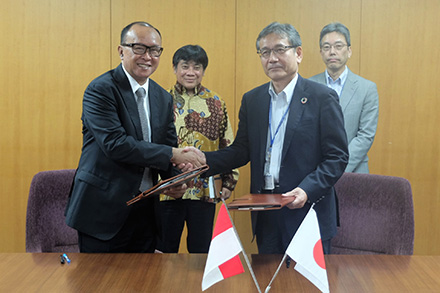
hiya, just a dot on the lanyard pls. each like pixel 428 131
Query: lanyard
pixel 272 138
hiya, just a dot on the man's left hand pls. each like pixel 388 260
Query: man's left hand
pixel 225 193
pixel 300 198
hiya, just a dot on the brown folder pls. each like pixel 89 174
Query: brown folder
pixel 260 202
pixel 170 182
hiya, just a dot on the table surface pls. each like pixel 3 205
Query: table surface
pixel 43 272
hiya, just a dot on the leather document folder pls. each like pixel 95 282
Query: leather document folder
pixel 260 202
pixel 170 182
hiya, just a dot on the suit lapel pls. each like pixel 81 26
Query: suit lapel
pixel 261 108
pixel 295 112
pixel 264 115
pixel 321 78
pixel 153 101
pixel 128 98
pixel 348 91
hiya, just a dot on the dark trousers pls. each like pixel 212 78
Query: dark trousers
pixel 270 236
pixel 199 218
pixel 138 234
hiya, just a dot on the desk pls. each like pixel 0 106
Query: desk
pixel 34 272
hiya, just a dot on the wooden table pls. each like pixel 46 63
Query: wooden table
pixel 35 272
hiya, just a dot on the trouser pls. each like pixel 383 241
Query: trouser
pixel 138 234
pixel 199 218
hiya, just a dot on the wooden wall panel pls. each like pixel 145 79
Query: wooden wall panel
pixel 210 24
pixel 51 50
pixel 400 53
pixel 308 17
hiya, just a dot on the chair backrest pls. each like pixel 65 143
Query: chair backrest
pixel 46 230
pixel 376 215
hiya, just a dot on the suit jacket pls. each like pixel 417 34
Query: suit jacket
pixel 114 154
pixel 360 105
pixel 314 152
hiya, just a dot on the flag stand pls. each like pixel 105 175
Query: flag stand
pixel 244 253
pixel 276 273
pixel 279 267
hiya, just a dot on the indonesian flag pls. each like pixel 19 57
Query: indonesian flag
pixel 306 250
pixel 223 260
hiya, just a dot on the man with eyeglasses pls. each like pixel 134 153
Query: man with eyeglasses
pixel 291 130
pixel 202 121
pixel 128 139
pixel 358 97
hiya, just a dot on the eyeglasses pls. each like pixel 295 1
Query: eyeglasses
pixel 141 49
pixel 280 50
pixel 338 47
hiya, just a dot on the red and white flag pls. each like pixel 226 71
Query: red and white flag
pixel 223 260
pixel 306 250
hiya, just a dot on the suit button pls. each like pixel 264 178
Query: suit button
pixel 141 170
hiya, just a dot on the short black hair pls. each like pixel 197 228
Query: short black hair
pixel 128 27
pixel 191 53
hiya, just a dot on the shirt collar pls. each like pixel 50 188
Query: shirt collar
pixel 341 79
pixel 288 90
pixel 134 84
pixel 180 89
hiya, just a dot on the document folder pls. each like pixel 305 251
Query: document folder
pixel 260 202
pixel 170 182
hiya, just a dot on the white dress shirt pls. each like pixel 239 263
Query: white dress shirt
pixel 280 104
pixel 337 84
pixel 134 87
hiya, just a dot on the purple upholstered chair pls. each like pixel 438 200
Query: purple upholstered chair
pixel 46 230
pixel 376 215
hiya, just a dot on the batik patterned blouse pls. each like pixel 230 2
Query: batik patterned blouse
pixel 202 122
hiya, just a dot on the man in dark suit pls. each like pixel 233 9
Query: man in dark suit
pixel 292 131
pixel 125 146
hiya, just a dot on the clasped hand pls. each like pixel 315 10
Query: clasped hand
pixel 300 198
pixel 188 158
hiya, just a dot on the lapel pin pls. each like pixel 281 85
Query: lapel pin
pixel 304 100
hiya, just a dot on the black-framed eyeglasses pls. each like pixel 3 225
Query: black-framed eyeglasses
pixel 141 49
pixel 337 46
pixel 280 50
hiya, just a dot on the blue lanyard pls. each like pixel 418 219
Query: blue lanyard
pixel 272 138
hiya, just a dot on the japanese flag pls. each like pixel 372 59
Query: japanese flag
pixel 223 260
pixel 306 250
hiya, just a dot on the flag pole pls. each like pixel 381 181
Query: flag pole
pixel 276 273
pixel 279 267
pixel 244 253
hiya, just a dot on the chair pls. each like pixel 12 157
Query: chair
pixel 46 230
pixel 376 215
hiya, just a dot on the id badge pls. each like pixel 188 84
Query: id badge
pixel 269 182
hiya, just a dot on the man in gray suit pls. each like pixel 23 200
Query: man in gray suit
pixel 358 97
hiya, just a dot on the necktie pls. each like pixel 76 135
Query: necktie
pixel 140 93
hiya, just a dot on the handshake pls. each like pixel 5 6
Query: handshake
pixel 188 158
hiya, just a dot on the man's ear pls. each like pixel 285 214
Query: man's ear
pixel 299 54
pixel 121 52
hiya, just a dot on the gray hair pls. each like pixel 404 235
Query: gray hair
pixel 283 30
pixel 335 27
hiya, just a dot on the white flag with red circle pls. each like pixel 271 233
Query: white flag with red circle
pixel 223 260
pixel 306 250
